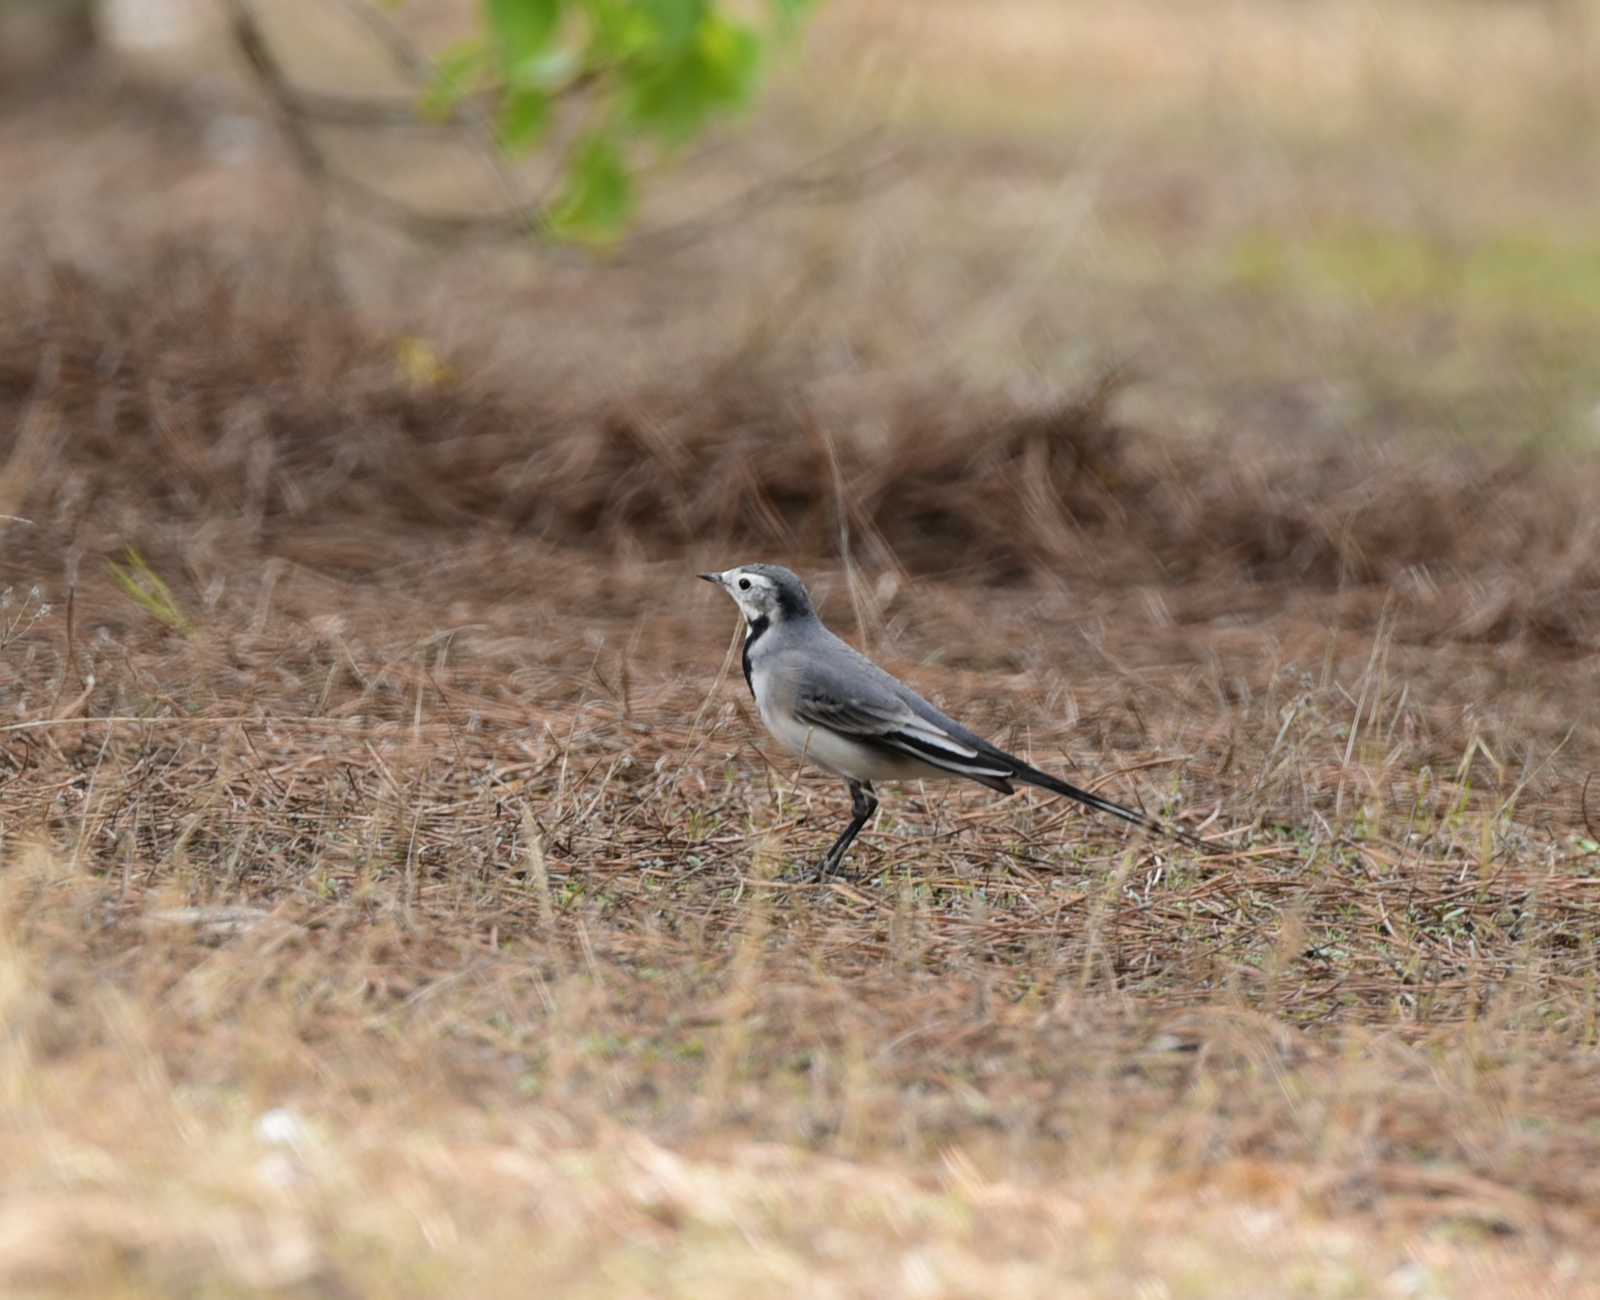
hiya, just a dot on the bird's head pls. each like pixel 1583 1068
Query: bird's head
pixel 764 592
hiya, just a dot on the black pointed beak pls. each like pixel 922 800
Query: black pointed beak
pixel 711 577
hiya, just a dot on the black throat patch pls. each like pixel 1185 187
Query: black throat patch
pixel 753 629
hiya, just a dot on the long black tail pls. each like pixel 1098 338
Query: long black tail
pixel 1054 784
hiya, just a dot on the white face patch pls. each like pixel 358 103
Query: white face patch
pixel 754 593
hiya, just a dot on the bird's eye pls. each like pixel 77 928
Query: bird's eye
pixel 744 584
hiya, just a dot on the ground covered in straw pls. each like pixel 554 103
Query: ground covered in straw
pixel 467 884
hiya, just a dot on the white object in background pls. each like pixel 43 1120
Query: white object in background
pixel 147 24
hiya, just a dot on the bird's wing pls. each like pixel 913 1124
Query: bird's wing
pixel 868 707
pixel 848 694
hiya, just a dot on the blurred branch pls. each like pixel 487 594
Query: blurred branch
pixel 285 100
pixel 361 111
pixel 817 182
pixel 297 109
pixel 468 112
pixel 821 181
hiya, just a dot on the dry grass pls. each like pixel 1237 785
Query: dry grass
pixel 398 906
pixel 496 927
pixel 503 934
pixel 430 828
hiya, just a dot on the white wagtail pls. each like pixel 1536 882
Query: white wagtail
pixel 828 702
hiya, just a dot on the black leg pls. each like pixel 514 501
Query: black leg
pixel 863 803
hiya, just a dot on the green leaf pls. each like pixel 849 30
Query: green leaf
pixel 788 13
pixel 521 29
pixel 456 73
pixel 730 55
pixel 544 71
pixel 673 98
pixel 618 30
pixel 676 20
pixel 648 68
pixel 524 115
pixel 597 198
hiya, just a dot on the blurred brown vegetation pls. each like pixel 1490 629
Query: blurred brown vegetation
pixel 183 401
